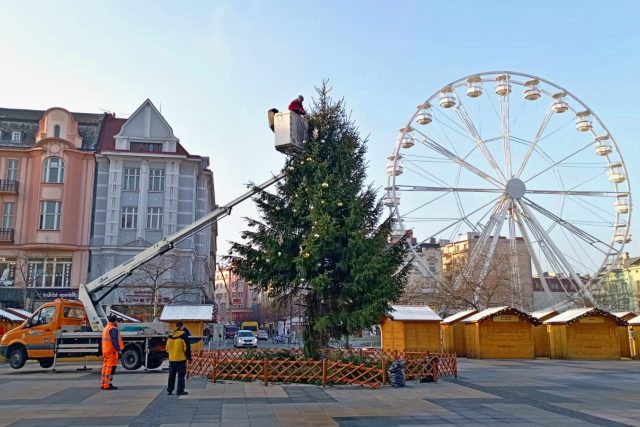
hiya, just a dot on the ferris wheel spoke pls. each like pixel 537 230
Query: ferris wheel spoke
pixel 459 220
pixel 577 231
pixel 475 254
pixel 451 156
pixel 466 120
pixel 424 173
pixel 534 258
pixel 560 161
pixel 513 246
pixel 494 242
pixel 534 141
pixel 553 252
pixel 575 193
pixel 406 187
pixel 504 115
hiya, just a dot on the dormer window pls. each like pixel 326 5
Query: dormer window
pixel 16 136
pixel 56 131
pixel 149 147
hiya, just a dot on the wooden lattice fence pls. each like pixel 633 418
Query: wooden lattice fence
pixel 337 366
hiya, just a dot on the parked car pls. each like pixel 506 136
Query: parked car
pixel 263 335
pixel 245 338
pixel 230 331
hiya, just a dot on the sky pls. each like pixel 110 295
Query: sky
pixel 214 68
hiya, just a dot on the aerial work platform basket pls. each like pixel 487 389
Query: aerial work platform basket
pixel 291 131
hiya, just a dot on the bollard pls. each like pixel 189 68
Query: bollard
pixel 324 371
pixel 265 371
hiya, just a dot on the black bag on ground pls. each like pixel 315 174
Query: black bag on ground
pixel 395 373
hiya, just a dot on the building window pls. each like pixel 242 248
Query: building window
pixel 156 180
pixel 7 215
pixel 433 266
pixel 12 169
pixel 129 217
pixel 49 273
pixel 131 179
pixel 56 131
pixel 151 147
pixel 53 170
pixel 50 215
pixel 154 218
pixel 16 136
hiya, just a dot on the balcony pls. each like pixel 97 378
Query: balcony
pixel 8 186
pixel 6 235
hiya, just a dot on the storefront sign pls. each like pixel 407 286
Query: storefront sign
pixel 506 318
pixel 592 319
pixel 53 293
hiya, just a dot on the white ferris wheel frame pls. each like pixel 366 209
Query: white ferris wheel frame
pixel 509 195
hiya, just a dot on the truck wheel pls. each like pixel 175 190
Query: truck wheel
pixel 17 357
pixel 46 363
pixel 154 362
pixel 131 359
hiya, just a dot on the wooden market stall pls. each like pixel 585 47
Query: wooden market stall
pixel 584 333
pixel 194 318
pixel 411 328
pixel 541 334
pixel 634 335
pixel 9 320
pixel 499 333
pixel 453 332
pixel 626 341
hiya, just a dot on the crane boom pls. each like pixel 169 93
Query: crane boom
pixel 87 294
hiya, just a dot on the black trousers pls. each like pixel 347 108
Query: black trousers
pixel 180 369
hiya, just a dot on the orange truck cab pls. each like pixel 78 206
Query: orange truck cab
pixel 35 338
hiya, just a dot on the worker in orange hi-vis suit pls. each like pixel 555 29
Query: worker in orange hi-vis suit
pixel 112 346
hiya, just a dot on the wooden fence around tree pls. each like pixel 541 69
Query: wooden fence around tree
pixel 359 367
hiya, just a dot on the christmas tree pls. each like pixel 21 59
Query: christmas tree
pixel 319 239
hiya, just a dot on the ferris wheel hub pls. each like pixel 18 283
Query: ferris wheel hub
pixel 516 188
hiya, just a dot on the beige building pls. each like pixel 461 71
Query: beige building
pixel 499 286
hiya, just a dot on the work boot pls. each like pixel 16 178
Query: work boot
pixel 184 393
pixel 111 387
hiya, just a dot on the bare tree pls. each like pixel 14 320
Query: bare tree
pixel 165 280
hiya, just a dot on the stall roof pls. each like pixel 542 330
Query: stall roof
pixel 574 314
pixel 458 316
pixel 623 314
pixel 635 321
pixel 495 311
pixel 413 312
pixel 188 312
pixel 20 312
pixel 6 315
pixel 543 313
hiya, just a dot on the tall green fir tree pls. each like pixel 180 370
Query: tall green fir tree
pixel 320 240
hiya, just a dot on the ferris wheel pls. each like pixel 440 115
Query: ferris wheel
pixel 525 172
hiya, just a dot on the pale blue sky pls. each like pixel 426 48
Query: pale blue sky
pixel 216 67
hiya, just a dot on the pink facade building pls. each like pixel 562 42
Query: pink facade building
pixel 47 167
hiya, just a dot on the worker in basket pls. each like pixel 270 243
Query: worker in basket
pixel 112 346
pixel 296 106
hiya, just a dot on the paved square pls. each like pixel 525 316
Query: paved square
pixel 488 393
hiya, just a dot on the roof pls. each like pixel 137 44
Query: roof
pixel 10 316
pixel 635 321
pixel 575 314
pixel 111 127
pixel 188 312
pixel 542 314
pixel 458 316
pixel 19 312
pixel 623 314
pixel 496 311
pixel 27 122
pixel 413 312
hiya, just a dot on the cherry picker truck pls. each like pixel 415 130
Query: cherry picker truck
pixel 59 328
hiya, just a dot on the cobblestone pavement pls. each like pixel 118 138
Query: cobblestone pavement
pixel 488 393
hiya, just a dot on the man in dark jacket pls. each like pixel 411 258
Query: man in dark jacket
pixel 296 106
pixel 178 353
